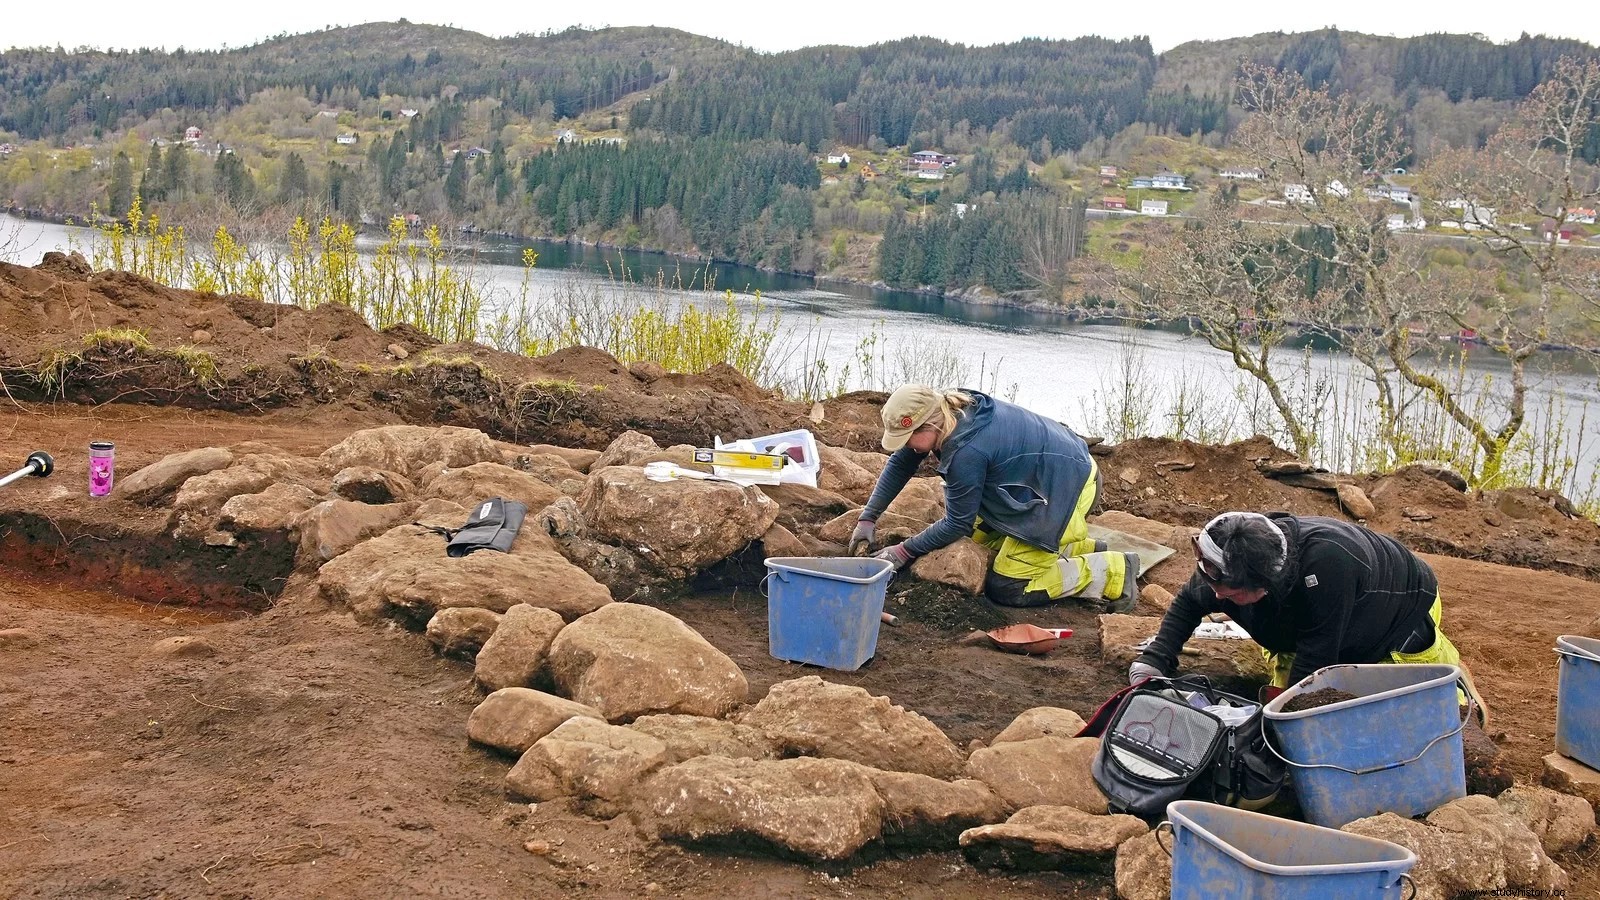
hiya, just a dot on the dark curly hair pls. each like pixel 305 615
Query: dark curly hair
pixel 1256 553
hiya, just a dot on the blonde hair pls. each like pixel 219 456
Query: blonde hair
pixel 952 406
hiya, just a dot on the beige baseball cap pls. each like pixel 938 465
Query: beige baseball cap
pixel 910 407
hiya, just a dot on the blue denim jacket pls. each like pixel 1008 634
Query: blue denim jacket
pixel 1022 473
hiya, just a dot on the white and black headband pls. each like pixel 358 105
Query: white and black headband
pixel 1213 554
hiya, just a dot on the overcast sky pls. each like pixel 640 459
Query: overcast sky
pixel 777 25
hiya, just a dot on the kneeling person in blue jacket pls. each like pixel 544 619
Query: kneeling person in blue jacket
pixel 1015 482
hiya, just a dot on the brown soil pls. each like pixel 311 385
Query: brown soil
pixel 311 756
pixel 1317 699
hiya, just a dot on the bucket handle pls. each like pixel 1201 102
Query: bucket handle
pixel 1406 877
pixel 1471 705
pixel 1159 843
pixel 1571 655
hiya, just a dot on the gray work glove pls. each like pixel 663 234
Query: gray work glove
pixel 861 538
pixel 1140 671
pixel 896 554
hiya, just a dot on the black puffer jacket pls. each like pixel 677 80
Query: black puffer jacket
pixel 1354 597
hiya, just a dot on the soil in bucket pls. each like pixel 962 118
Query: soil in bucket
pixel 1315 699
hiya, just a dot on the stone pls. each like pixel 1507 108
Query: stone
pixel 1317 481
pixel 1143 869
pixel 271 510
pixel 892 529
pixel 513 719
pixel 1151 530
pixel 1416 514
pixel 17 639
pixel 963 565
pixel 1275 468
pixel 1155 597
pixel 199 500
pixel 364 484
pixel 334 526
pixel 779 541
pixel 575 457
pixel 412 449
pixel 1526 864
pixel 1226 658
pixel 687 737
pixel 561 519
pixel 1041 721
pixel 482 481
pixel 628 660
pixel 818 809
pixel 157 481
pixel 1571 777
pixel 1128 475
pixel 842 473
pixel 585 758
pixel 1354 501
pixel 461 630
pixel 923 813
pixel 1448 863
pixel 921 500
pixel 515 654
pixel 200 336
pixel 678 527
pixel 647 371
pixel 1051 838
pixel 184 646
pixel 801 506
pixel 810 717
pixel 405 572
pixel 1435 471
pixel 1561 822
pixel 1046 771
pixel 397 351
pixel 630 448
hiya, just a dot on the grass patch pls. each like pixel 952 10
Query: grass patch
pixel 115 337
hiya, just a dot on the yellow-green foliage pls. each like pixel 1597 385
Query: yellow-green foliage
pixel 132 337
pixel 685 337
pixel 408 279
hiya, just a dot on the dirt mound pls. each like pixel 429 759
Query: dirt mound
pixel 1187 483
pixel 114 337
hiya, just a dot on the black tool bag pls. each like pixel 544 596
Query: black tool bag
pixel 493 525
pixel 1159 747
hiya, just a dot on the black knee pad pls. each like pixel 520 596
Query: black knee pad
pixel 1003 590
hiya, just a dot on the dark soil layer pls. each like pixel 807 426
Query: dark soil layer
pixel 1317 699
pixel 971 692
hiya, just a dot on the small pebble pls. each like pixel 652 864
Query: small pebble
pixel 539 848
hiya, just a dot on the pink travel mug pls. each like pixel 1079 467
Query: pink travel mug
pixel 102 467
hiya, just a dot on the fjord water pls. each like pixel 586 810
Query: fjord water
pixel 1069 370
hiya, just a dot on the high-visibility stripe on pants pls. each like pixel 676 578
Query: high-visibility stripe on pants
pixel 1074 569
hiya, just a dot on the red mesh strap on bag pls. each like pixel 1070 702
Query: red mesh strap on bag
pixel 1101 719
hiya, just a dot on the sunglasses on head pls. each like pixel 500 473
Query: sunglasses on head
pixel 1208 570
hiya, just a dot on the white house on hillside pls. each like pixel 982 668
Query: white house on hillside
pixel 1152 207
pixel 1296 193
pixel 1242 174
pixel 1168 181
pixel 346 139
pixel 840 158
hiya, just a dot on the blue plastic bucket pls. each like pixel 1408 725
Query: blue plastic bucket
pixel 825 610
pixel 1395 748
pixel 1578 699
pixel 1219 851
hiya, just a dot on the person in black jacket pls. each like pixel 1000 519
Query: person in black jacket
pixel 1312 591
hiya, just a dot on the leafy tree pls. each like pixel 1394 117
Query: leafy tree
pixel 120 196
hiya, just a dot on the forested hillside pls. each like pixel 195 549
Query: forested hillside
pixel 649 136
